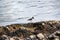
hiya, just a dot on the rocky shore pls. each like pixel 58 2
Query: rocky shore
pixel 45 30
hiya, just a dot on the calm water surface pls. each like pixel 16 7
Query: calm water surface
pixel 18 11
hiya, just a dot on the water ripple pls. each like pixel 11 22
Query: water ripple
pixel 40 9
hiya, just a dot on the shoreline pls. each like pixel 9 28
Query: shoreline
pixel 10 23
pixel 24 31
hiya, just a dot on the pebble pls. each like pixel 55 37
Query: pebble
pixel 32 36
pixel 40 36
pixel 12 39
pixel 28 38
pixel 43 23
pixel 57 38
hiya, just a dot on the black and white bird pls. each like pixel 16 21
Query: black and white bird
pixel 30 19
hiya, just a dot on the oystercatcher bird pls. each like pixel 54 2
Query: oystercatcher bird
pixel 30 19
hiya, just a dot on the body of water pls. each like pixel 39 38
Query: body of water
pixel 18 11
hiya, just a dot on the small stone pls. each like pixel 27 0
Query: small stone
pixel 12 39
pixel 23 28
pixel 57 33
pixel 56 38
pixel 5 37
pixel 43 23
pixel 32 36
pixel 21 39
pixel 50 22
pixel 40 36
pixel 51 37
pixel 28 38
